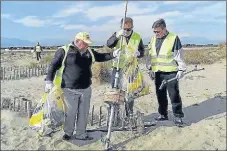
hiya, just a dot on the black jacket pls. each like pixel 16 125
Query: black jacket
pixel 77 72
pixel 112 42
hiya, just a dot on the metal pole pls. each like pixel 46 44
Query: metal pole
pixel 164 82
pixel 121 43
pixel 107 141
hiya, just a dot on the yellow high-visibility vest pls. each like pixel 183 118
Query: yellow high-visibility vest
pixel 58 76
pixel 164 61
pixel 127 50
pixel 38 48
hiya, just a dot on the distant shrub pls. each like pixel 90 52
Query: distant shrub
pixel 205 56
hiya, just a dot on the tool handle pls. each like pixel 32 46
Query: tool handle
pixel 121 40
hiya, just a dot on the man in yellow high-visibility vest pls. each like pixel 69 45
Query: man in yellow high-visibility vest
pixel 38 49
pixel 132 48
pixel 166 61
pixel 71 70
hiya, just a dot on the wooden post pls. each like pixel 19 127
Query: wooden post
pixel 29 106
pixel 33 71
pixel 22 72
pixel 92 115
pixel 40 71
pixel 14 103
pixel 29 72
pixel 37 71
pixel 107 116
pixel 1 72
pixel 19 72
pixel 15 74
pixel 100 115
pixel 4 73
pixel 26 71
pixel 10 105
pixel 25 106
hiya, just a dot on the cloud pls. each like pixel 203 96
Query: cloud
pixel 94 13
pixel 118 10
pixel 34 21
pixel 31 21
pixel 215 12
pixel 72 10
pixel 5 16
pixel 142 24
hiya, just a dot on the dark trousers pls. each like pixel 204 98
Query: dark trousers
pixel 38 56
pixel 128 104
pixel 173 91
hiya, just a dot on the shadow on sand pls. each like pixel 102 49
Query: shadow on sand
pixel 193 114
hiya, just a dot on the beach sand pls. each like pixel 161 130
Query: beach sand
pixel 204 102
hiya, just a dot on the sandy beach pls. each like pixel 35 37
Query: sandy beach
pixel 204 102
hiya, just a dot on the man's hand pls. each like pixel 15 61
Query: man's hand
pixel 180 74
pixel 136 54
pixel 48 86
pixel 116 52
pixel 151 74
pixel 148 66
pixel 120 33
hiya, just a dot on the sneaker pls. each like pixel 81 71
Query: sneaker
pixel 178 121
pixel 66 137
pixel 161 118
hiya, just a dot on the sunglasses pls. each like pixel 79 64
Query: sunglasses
pixel 157 32
pixel 127 29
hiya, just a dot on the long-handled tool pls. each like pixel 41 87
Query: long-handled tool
pixel 121 43
pixel 116 81
pixel 164 82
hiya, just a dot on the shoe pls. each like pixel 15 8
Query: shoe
pixel 66 137
pixel 161 118
pixel 85 138
pixel 178 121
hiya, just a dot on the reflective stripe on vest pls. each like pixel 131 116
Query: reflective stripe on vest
pixel 127 50
pixel 164 61
pixel 38 49
pixel 58 76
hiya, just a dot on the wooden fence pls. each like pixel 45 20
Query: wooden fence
pixel 21 72
pixel 26 107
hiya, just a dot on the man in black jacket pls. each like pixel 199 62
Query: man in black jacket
pixel 75 81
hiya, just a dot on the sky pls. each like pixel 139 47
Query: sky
pixel 40 20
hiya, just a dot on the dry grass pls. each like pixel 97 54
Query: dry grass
pixel 205 56
pixel 201 56
pixel 101 70
pixel 47 59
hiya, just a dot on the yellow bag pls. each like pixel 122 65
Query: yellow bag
pixel 136 86
pixel 48 115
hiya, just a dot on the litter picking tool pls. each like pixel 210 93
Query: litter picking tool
pixel 116 81
pixel 121 43
pixel 165 82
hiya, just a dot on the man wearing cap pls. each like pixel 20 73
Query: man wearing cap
pixel 132 47
pixel 71 70
pixel 166 61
